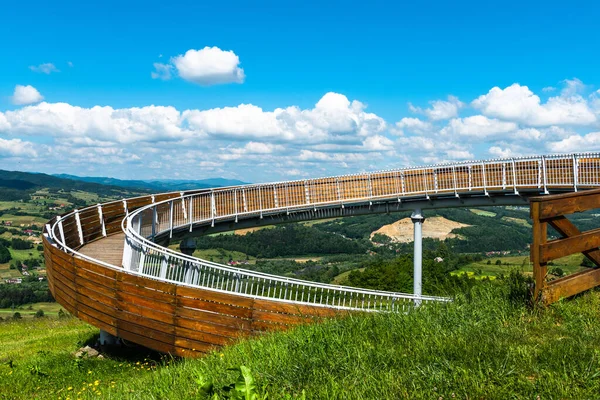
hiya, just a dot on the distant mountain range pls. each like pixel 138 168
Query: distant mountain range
pixel 158 185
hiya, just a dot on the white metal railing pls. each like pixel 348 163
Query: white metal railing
pixel 491 177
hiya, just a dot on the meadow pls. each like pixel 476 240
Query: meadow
pixel 486 344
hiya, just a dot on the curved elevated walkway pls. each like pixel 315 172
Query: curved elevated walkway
pixel 105 264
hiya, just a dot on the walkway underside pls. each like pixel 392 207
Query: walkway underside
pixel 105 264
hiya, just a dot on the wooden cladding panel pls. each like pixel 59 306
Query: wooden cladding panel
pixel 163 316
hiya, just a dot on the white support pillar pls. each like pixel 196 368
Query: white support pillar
pixel 417 219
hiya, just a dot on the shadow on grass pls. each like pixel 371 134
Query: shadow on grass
pixel 127 351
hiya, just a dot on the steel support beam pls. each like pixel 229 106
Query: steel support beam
pixel 417 220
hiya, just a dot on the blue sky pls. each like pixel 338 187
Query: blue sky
pixel 394 63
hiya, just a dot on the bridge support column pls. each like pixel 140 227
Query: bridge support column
pixel 417 219
pixel 106 339
pixel 188 246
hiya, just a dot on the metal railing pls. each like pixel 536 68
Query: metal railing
pixel 492 177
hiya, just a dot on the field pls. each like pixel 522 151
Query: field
pixel 483 213
pixel 28 311
pixel 484 346
pixel 568 264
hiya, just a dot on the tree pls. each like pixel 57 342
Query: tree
pixel 4 255
pixel 39 314
pixel 17 315
pixel 498 262
pixel 586 262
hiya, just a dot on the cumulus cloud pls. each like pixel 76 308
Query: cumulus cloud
pixel 206 67
pixel 146 124
pixel 519 104
pixel 46 68
pixel 413 125
pixel 26 95
pixel 440 109
pixel 16 148
pixel 478 127
pixel 576 143
pixel 333 118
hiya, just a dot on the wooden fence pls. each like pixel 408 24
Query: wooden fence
pixel 552 210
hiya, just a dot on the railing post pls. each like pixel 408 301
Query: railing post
pixel 79 230
pixel 154 221
pixel 61 230
pixel 235 205
pixel 101 217
pixel 213 208
pixel 163 266
pixel 575 171
pixel 275 196
pixel 514 175
pixel 544 175
pixel 171 203
pixel 191 211
pixel 417 220
pixel 484 179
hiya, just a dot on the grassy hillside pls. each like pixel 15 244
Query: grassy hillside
pixel 480 346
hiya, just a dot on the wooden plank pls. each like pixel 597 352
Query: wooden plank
pixel 188 316
pixel 201 336
pixel 571 285
pixel 211 295
pixel 141 320
pixel 568 203
pixel 145 331
pixel 131 279
pixel 145 341
pixel 558 248
pixel 287 319
pixel 566 228
pixel 148 313
pixel 540 232
pixel 193 345
pixel 145 302
pixel 220 308
pixel 294 309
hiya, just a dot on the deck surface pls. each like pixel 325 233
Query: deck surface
pixel 108 249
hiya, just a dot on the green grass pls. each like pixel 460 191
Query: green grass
pixel 480 346
pixel 18 220
pixel 569 265
pixel 50 310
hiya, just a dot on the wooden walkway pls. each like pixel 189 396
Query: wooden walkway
pixel 108 249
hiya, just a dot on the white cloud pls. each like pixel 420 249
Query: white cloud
pixel 334 118
pixel 70 64
pixel 161 71
pixel 16 148
pixel 46 68
pixel 209 66
pixel 499 152
pixel 26 95
pixel 517 103
pixel 459 155
pixel 149 124
pixel 548 89
pixel 378 143
pixel 256 148
pixel 577 143
pixel 413 125
pixel 440 109
pixel 478 127
pixel 572 87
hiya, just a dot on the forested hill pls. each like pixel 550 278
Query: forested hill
pixel 15 185
pixel 157 186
